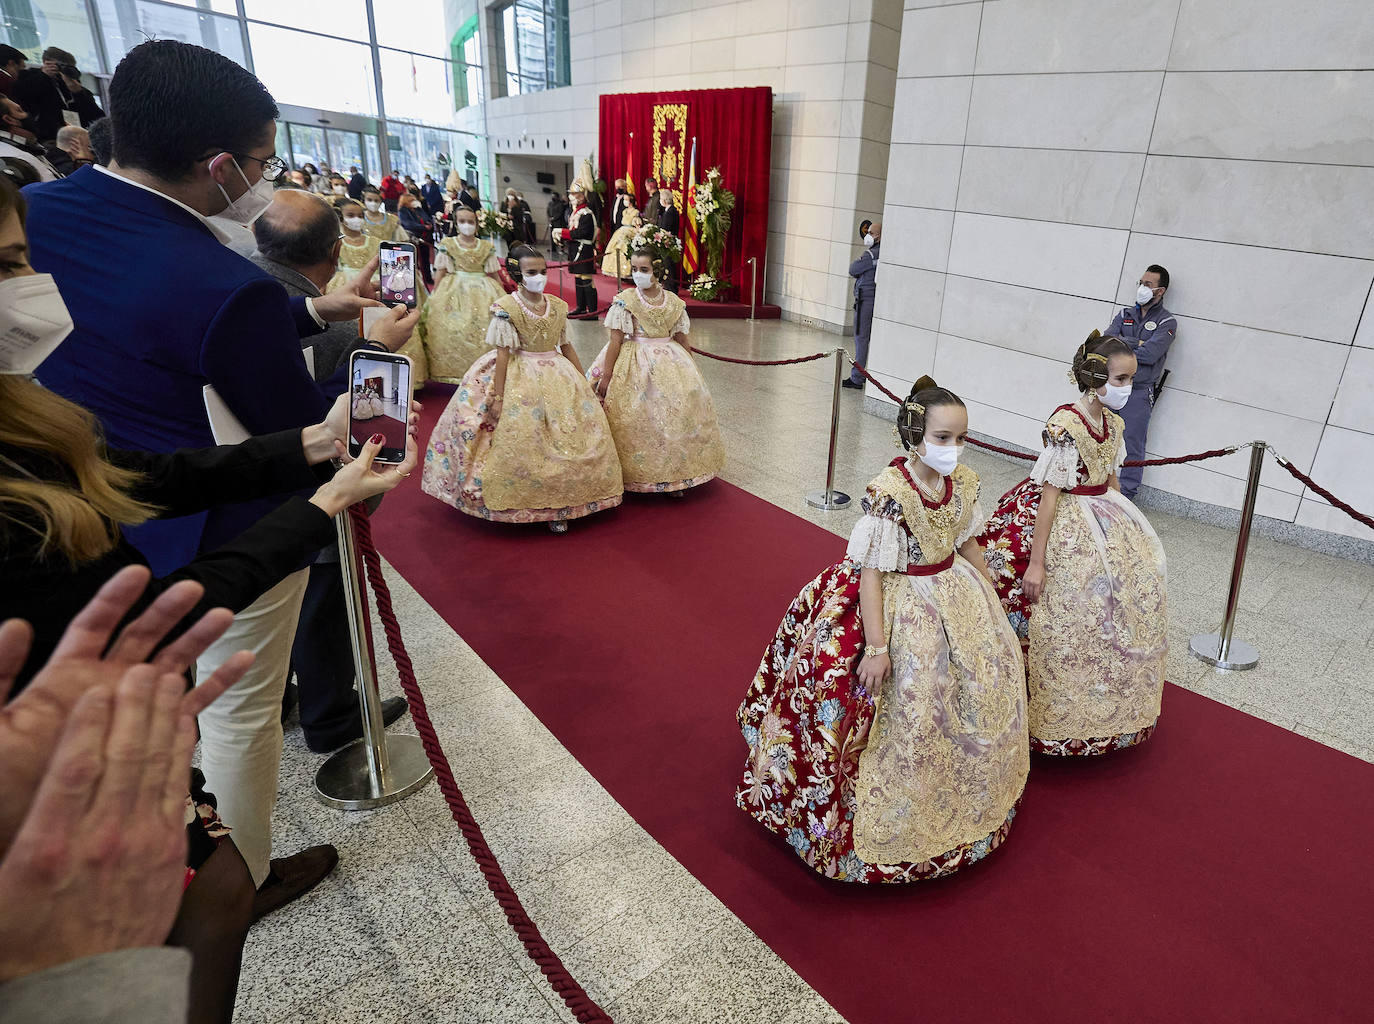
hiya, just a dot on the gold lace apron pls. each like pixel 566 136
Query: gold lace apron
pixel 455 318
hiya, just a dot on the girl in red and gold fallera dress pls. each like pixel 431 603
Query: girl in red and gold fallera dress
pixel 1081 573
pixel 887 722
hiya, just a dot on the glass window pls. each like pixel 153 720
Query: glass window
pixel 467 69
pixel 313 71
pixel 533 46
pixel 416 88
pixel 415 25
pixel 126 23
pixel 344 18
pixel 345 150
pixel 307 146
pixel 372 167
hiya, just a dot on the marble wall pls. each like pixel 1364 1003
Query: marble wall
pixel 832 65
pixel 1043 152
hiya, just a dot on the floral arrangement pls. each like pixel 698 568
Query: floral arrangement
pixel 662 246
pixel 705 288
pixel 495 222
pixel 714 203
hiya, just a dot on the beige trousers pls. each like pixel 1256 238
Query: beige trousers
pixel 240 734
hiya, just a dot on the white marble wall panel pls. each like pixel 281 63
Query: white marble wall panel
pixel 1201 483
pixel 1354 406
pixel 910 296
pixel 1067 186
pixel 940 40
pixel 1069 111
pixel 1364 336
pixel 1309 207
pixel 1256 368
pixel 1341 467
pixel 931 110
pixel 1271 35
pixel 911 354
pixel 1018 382
pixel 1324 117
pixel 1041 323
pixel 1006 425
pixel 914 237
pixel 924 175
pixel 1066 258
pixel 1032 36
pixel 1272 289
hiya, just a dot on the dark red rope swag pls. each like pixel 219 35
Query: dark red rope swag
pixel 1308 482
pixel 562 982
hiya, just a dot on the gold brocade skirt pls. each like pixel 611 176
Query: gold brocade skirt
pixel 548 457
pixel 1098 636
pixel 454 323
pixel 947 754
pixel 661 415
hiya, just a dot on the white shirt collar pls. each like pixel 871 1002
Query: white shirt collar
pixel 216 229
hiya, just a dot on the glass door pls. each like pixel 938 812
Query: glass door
pixel 345 151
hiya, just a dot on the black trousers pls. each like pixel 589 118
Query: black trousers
pixel 322 658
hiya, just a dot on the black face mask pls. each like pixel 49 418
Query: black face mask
pixel 620 191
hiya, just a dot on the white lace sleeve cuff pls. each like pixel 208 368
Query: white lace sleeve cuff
pixel 1057 466
pixel 502 333
pixel 976 525
pixel 683 325
pixel 618 318
pixel 876 544
pixel 492 266
pixel 442 262
pixel 1119 459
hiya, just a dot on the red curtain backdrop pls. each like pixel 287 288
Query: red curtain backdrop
pixel 734 131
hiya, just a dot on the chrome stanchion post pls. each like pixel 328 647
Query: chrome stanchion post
pixel 376 769
pixel 753 284
pixel 1220 648
pixel 831 499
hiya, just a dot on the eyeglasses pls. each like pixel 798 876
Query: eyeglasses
pixel 273 167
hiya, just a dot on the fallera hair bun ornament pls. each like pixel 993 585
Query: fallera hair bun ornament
pixel 1089 369
pixel 911 417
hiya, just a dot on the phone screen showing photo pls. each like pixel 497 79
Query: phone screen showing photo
pixel 379 403
pixel 397 271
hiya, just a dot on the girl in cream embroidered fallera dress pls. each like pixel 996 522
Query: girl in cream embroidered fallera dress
pixel 887 723
pixel 456 316
pixel 1081 574
pixel 660 410
pixel 523 438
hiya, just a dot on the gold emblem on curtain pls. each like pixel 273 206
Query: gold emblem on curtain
pixel 670 147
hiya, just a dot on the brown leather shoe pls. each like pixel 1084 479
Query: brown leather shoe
pixel 294 876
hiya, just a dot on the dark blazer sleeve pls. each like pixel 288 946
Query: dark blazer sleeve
pixel 195 479
pixel 87 107
pixel 306 325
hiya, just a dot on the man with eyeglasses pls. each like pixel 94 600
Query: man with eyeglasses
pixel 1149 329
pixel 161 310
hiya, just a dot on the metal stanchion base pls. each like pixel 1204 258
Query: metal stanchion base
pixel 343 782
pixel 828 500
pixel 1207 647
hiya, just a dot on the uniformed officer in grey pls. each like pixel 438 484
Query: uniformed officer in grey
pixel 1150 329
pixel 864 271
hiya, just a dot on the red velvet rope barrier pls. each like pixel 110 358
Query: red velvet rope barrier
pixel 1311 484
pixel 562 982
pixel 763 362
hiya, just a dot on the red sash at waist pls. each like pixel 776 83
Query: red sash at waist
pixel 930 570
pixel 1090 490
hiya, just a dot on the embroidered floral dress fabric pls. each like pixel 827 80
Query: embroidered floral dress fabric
pixel 924 777
pixel 456 316
pixel 549 455
pixel 1096 642
pixel 658 405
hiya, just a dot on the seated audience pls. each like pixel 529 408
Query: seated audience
pixel 71 150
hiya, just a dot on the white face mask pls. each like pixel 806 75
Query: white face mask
pixel 1144 294
pixel 534 282
pixel 643 278
pixel 372 205
pixel 941 457
pixel 341 190
pixel 868 241
pixel 1114 397
pixel 353 223
pixel 466 229
pixel 249 206
pixel 33 322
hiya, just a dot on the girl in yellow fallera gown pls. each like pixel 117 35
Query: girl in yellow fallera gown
pixel 524 439
pixel 377 222
pixel 660 410
pixel 454 323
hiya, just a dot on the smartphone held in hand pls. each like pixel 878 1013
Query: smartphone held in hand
pixel 397 272
pixel 379 403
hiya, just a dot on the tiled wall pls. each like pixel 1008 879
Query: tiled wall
pixel 1045 151
pixel 832 67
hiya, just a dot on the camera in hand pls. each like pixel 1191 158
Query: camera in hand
pixel 70 70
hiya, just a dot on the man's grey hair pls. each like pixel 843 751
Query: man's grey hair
pixel 69 135
pixel 294 237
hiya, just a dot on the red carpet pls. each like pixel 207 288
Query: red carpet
pixel 1218 873
pixel 561 284
pixel 392 429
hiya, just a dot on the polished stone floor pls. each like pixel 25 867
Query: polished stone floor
pixel 405 929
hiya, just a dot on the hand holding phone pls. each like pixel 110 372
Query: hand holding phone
pixel 398 273
pixel 379 403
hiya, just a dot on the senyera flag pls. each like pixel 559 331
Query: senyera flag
pixel 690 260
pixel 629 173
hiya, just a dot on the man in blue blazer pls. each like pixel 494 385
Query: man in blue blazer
pixel 162 308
